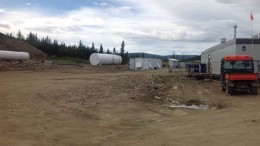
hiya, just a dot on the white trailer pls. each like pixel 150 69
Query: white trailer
pixel 239 46
pixel 145 63
pixel 173 63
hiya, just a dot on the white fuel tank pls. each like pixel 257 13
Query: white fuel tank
pixel 14 56
pixel 105 59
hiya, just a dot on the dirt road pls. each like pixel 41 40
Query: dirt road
pixel 87 108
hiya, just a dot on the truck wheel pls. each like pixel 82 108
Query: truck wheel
pixel 229 90
pixel 253 91
pixel 223 86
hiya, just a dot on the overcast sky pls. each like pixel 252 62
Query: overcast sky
pixel 151 26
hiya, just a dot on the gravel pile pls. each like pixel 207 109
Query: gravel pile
pixel 143 87
pixel 87 96
pixel 27 65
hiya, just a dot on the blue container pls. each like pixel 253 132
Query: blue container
pixel 198 68
pixel 203 68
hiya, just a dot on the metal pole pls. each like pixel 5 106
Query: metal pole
pixel 252 31
pixel 235 31
pixel 209 67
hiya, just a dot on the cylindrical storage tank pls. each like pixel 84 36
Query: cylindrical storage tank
pixel 105 59
pixel 14 56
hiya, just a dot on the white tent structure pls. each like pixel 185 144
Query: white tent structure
pixel 173 63
pixel 145 63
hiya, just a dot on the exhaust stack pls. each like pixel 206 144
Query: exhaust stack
pixel 235 31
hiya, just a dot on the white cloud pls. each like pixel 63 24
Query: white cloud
pixel 4 25
pixel 151 26
pixel 2 11
pixel 103 4
pixel 28 4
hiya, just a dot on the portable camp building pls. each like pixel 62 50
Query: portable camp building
pixel 183 65
pixel 173 63
pixel 237 46
pixel 145 63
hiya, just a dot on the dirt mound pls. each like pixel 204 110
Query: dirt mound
pixel 12 44
pixel 144 87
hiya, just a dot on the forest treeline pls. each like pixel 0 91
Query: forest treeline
pixel 54 48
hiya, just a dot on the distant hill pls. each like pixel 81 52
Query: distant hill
pixel 196 58
pixel 147 55
pixel 12 44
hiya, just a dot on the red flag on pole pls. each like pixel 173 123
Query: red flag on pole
pixel 251 17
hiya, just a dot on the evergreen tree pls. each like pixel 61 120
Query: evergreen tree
pixel 108 51
pixel 101 49
pixel 53 48
pixel 10 34
pixel 32 39
pixel 81 45
pixel 114 50
pixel 20 36
pixel 92 46
pixel 122 50
pixel 93 49
pixel 126 57
pixel 47 40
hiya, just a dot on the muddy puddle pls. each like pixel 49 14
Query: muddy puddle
pixel 191 104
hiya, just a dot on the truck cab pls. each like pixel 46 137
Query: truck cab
pixel 237 74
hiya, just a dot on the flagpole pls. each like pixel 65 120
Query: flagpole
pixel 252 33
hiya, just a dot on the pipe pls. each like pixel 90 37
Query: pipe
pixel 235 31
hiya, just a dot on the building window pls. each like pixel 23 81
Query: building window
pixel 243 48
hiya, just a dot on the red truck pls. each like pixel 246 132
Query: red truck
pixel 237 74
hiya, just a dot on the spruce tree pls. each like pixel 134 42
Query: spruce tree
pixel 122 50
pixel 114 50
pixel 20 36
pixel 101 50
pixel 108 51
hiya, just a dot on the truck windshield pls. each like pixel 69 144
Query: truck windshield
pixel 239 66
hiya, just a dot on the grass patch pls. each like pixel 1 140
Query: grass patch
pixel 69 60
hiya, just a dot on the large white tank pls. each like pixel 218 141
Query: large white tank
pixel 14 56
pixel 100 59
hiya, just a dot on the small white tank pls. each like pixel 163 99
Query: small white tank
pixel 105 59
pixel 14 56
